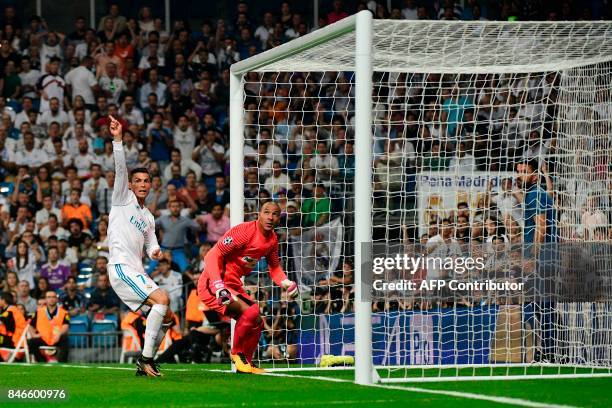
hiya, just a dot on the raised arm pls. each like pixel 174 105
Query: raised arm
pixel 121 191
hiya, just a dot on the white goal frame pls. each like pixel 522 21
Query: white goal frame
pixel 364 63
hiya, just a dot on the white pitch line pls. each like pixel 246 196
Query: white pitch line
pixel 458 394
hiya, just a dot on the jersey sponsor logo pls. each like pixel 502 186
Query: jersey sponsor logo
pixel 228 240
pixel 140 224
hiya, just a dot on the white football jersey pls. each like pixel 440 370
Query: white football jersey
pixel 131 227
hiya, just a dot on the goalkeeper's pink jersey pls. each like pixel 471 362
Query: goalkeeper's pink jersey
pixel 236 253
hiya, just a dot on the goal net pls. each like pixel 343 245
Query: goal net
pixel 445 197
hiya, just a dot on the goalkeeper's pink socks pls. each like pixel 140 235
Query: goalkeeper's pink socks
pixel 247 332
pixel 251 344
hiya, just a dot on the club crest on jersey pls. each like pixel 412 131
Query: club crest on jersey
pixel 228 240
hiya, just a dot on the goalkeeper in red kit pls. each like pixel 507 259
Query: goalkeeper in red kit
pixel 220 285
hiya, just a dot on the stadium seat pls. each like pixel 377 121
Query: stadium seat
pixel 109 339
pixel 113 318
pixel 78 324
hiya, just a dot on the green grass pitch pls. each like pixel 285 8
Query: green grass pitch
pixel 213 386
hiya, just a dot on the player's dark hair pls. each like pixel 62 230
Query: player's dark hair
pixel 530 162
pixel 139 170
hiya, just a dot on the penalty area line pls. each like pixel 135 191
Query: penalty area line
pixel 466 395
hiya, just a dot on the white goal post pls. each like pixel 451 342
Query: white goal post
pixel 522 64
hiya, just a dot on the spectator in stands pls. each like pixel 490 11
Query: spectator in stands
pixel 104 194
pixel 71 299
pixel 12 321
pixel 29 78
pixel 23 297
pixel 75 209
pixel 68 254
pixel 153 86
pixel 441 246
pixel 24 262
pixel 54 271
pixel 51 84
pixel 175 228
pixel 54 114
pixel 277 180
pixel 172 282
pixel 42 215
pixel 10 283
pixel 204 202
pixel 317 209
pixel 49 327
pixel 210 155
pixel 30 156
pixel 215 224
pixel 592 217
pixel 80 81
pixel 103 300
pixel 539 211
pixel 337 13
pixel 82 161
pixel 111 85
pixel 508 201
pixel 185 137
pixel 222 195
pixel 463 162
pixel 95 182
pixel 185 165
pixel 159 140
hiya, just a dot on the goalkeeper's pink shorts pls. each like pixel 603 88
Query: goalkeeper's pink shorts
pixel 207 294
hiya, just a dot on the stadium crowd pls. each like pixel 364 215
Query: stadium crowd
pixel 170 90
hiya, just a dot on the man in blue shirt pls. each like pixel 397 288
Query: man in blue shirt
pixel 540 236
pixel 538 206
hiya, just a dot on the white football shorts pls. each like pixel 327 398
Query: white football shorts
pixel 133 287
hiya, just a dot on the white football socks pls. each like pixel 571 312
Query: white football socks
pixel 154 323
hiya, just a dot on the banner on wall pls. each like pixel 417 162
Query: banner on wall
pixel 460 336
pixel 438 193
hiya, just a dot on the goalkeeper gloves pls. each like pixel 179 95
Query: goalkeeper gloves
pixel 224 297
pixel 291 288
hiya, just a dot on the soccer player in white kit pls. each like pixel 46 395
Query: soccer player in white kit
pixel 132 227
